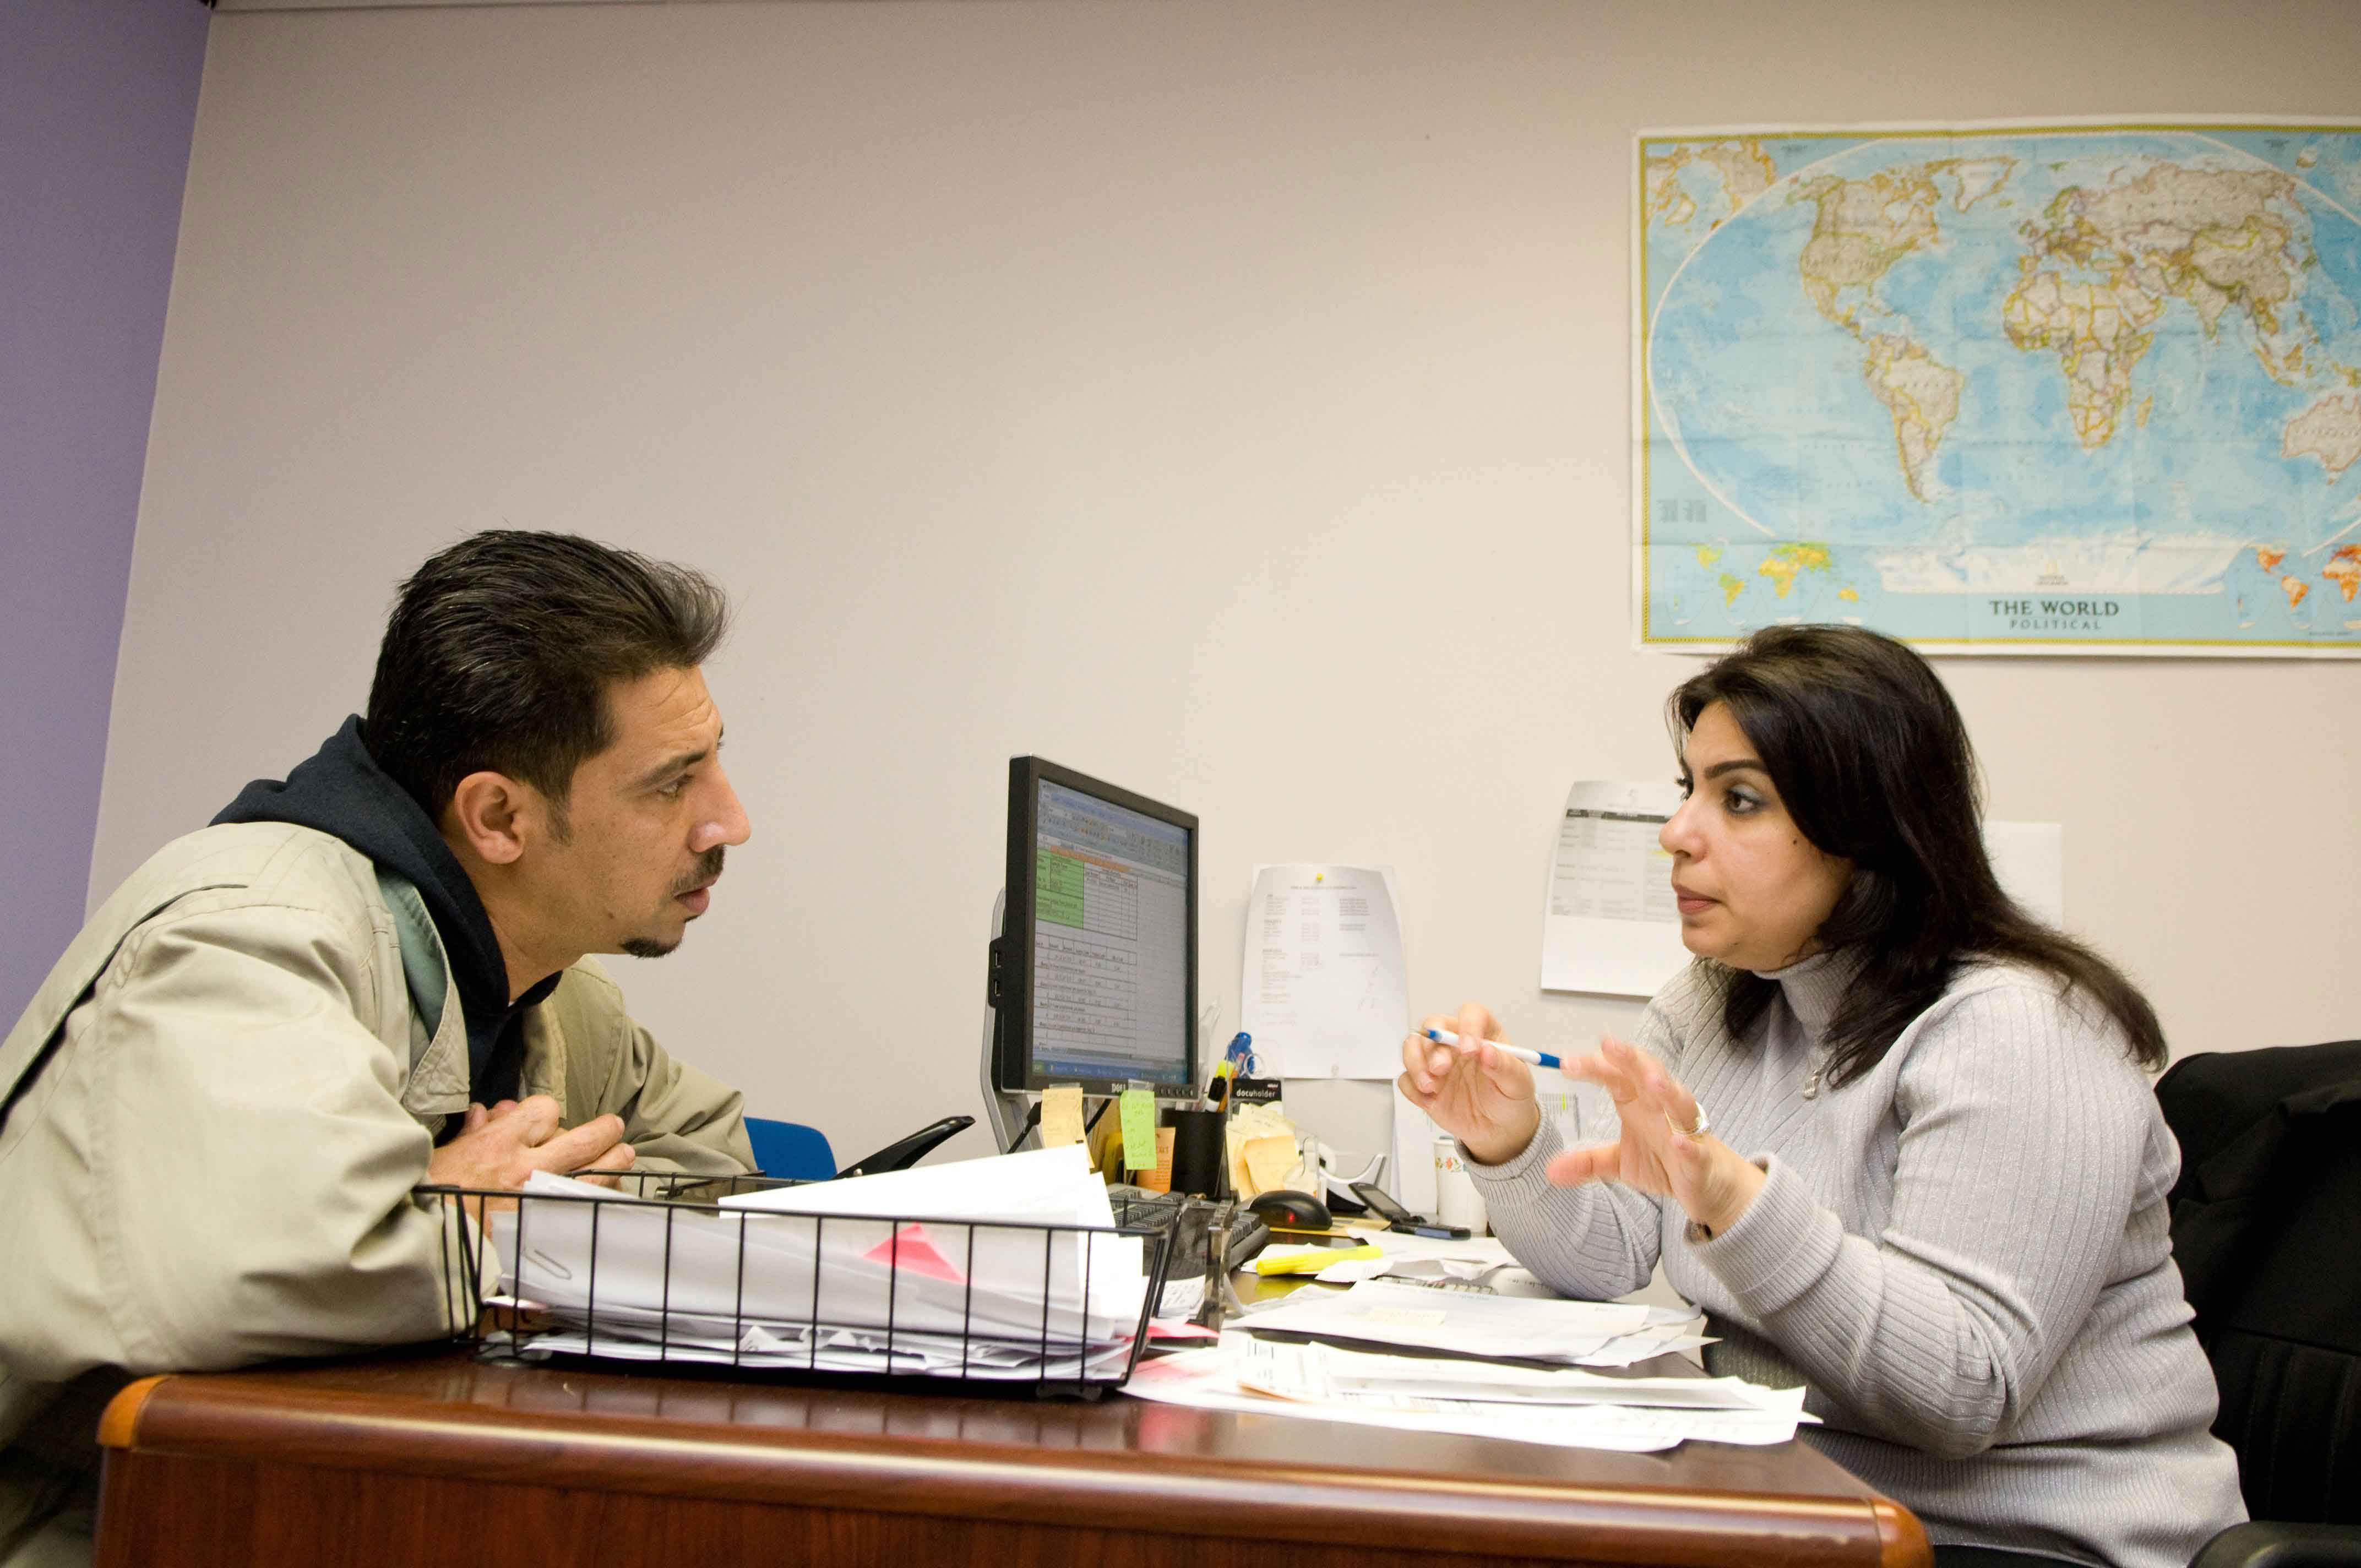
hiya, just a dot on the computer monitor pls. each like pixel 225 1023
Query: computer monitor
pixel 1094 972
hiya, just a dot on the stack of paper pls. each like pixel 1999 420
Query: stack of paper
pixel 1416 1317
pixel 999 1268
pixel 1569 1408
pixel 1457 1378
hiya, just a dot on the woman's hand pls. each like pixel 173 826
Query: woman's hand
pixel 1712 1182
pixel 1482 1097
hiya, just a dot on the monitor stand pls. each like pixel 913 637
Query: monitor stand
pixel 1006 1112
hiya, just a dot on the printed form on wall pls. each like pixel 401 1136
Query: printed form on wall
pixel 1324 992
pixel 1609 925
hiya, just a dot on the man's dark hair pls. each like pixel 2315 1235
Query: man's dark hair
pixel 499 651
pixel 1872 759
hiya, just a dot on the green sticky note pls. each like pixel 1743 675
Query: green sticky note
pixel 1138 1108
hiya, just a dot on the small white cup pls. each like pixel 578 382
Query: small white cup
pixel 1456 1201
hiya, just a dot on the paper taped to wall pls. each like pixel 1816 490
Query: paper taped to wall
pixel 1609 925
pixel 1324 991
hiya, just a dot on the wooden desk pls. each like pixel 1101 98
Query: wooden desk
pixel 433 1458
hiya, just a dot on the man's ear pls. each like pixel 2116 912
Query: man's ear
pixel 494 815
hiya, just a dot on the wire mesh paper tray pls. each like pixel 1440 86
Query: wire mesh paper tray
pixel 656 1269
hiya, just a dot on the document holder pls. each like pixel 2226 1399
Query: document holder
pixel 656 1269
pixel 904 1153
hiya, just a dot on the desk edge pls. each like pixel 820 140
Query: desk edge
pixel 118 1424
pixel 1085 1488
pixel 1902 1539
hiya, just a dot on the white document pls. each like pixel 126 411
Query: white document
pixel 1208 1380
pixel 1656 1339
pixel 1426 1271
pixel 909 1355
pixel 1219 1379
pixel 1038 1187
pixel 2029 858
pixel 1609 924
pixel 1052 1186
pixel 1477 1252
pixel 849 1260
pixel 1324 991
pixel 1417 1317
pixel 1324 1372
pixel 1004 1199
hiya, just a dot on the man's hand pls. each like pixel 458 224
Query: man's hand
pixel 500 1148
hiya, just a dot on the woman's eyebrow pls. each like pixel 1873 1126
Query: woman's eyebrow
pixel 1734 765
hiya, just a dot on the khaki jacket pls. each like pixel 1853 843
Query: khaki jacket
pixel 215 1108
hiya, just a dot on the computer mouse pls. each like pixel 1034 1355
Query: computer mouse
pixel 1284 1209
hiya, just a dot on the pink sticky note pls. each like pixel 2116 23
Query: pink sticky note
pixel 911 1248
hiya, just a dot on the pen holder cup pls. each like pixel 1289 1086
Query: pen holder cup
pixel 1200 1161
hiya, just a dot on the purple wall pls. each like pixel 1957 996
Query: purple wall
pixel 98 101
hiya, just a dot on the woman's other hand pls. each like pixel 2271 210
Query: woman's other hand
pixel 1482 1097
pixel 1712 1182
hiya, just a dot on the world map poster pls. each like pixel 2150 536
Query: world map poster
pixel 2002 388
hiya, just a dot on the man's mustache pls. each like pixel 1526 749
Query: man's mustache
pixel 708 870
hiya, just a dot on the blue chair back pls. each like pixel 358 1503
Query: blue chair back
pixel 791 1150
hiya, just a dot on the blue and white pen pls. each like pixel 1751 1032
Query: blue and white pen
pixel 1538 1058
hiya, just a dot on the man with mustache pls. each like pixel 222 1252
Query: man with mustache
pixel 369 975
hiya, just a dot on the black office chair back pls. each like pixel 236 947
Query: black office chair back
pixel 2267 1230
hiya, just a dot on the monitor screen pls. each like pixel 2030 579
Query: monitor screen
pixel 1098 978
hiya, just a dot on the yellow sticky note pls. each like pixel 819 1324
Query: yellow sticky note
pixel 1061 1115
pixel 1268 1162
pixel 1138 1108
pixel 1158 1177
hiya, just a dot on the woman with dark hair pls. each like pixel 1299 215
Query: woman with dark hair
pixel 1932 1186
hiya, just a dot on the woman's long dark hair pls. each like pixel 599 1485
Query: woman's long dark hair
pixel 1873 761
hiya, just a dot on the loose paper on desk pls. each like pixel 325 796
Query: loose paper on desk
pixel 1319 1382
pixel 1380 1311
pixel 1609 925
pixel 1324 991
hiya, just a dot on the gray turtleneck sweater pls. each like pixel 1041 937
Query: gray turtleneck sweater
pixel 1962 1254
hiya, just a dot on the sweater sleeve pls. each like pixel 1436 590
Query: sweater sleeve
pixel 1595 1242
pixel 1592 1243
pixel 2017 1160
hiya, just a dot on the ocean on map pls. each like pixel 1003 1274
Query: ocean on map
pixel 2163 475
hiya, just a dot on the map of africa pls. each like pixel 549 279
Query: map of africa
pixel 2002 388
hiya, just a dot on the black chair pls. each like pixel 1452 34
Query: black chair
pixel 2267 1230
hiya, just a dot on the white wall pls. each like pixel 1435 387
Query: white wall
pixel 1226 400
